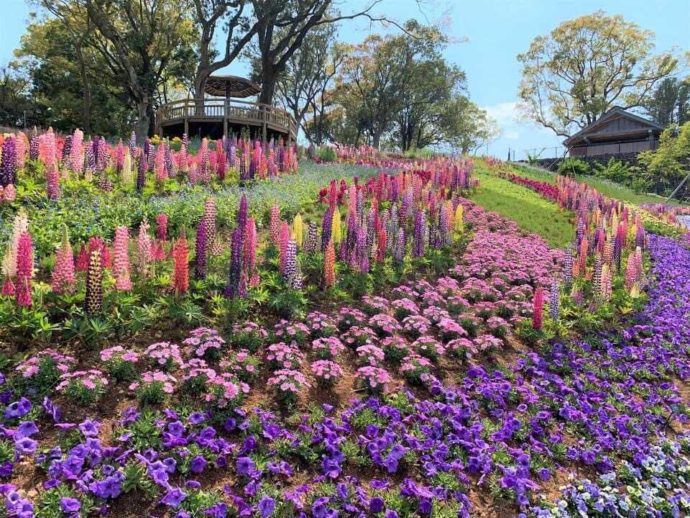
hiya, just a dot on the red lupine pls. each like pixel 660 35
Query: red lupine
pixel 82 259
pixel 162 226
pixel 538 309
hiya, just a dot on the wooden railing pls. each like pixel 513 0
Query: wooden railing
pixel 230 112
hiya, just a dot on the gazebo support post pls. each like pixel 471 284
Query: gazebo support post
pixel 186 126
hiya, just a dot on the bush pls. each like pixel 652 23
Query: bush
pixel 573 166
pixel 327 154
pixel 614 170
pixel 666 167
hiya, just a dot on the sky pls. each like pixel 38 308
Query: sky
pixel 486 36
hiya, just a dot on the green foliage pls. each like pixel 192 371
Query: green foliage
pixel 573 167
pixel 666 167
pixel 327 154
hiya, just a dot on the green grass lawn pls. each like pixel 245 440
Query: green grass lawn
pixel 530 211
pixel 606 187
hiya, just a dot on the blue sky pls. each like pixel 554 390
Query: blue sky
pixel 487 36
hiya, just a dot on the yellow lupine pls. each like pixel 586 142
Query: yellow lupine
pixel 298 230
pixel 336 227
pixel 459 224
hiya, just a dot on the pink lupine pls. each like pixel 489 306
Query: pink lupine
pixel 24 270
pixel 144 248
pixel 52 182
pixel 275 225
pixel 76 158
pixel 63 278
pixel 121 266
pixel 283 245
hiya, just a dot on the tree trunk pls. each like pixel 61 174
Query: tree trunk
pixel 268 83
pixel 141 128
pixel 376 140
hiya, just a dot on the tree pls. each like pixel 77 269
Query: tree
pixel 308 74
pixel 282 26
pixel 240 29
pixel 466 126
pixel 586 66
pixel 670 102
pixel 67 84
pixel 14 98
pixel 140 40
pixel 428 84
pixel 397 86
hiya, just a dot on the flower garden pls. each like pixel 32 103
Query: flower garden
pixel 231 331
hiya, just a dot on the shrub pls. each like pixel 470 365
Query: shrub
pixel 83 387
pixel 327 154
pixel 120 363
pixel 573 166
pixel 154 387
pixel 326 372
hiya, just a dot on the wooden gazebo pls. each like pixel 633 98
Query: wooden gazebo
pixel 222 113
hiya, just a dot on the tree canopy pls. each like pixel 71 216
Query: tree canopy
pixel 587 65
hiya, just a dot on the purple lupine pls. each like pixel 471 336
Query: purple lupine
pixel 400 245
pixel 350 241
pixel 554 300
pixel 444 226
pixel 290 269
pixel 8 164
pixel 33 147
pixel 618 250
pixel 360 259
pixel 66 149
pixel 419 230
pixel 169 170
pixel 371 227
pixel 141 172
pixel 568 266
pixel 242 213
pixel 596 276
pixel 579 231
pixel 90 159
pixel 326 228
pixel 234 288
pixel 151 158
pixel 133 144
pixel 312 238
pixel 640 236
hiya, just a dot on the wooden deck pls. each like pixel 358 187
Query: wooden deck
pixel 261 119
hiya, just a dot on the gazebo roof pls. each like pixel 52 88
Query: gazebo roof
pixel 230 86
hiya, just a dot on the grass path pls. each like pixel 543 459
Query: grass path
pixel 530 211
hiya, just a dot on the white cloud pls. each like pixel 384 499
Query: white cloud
pixel 504 113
